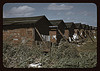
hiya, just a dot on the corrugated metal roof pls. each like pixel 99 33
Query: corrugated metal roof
pixel 21 20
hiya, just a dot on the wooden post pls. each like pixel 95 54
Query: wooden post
pixel 40 36
pixel 90 37
pixel 91 33
pixel 62 35
pixel 81 37
pixel 79 34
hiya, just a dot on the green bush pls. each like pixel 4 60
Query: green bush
pixel 65 56
pixel 19 56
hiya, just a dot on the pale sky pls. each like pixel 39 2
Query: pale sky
pixel 85 13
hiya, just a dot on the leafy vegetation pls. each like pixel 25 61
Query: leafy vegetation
pixel 67 55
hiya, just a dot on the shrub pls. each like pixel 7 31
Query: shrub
pixel 65 56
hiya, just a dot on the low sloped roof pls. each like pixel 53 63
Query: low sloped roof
pixel 55 22
pixel 90 27
pixel 77 25
pixel 69 24
pixel 83 26
pixel 87 26
pixel 21 20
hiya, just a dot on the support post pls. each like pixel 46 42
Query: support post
pixel 90 38
pixel 40 36
pixel 62 35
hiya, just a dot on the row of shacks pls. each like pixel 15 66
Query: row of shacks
pixel 39 30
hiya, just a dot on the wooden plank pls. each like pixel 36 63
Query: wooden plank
pixel 33 33
pixel 90 37
pixel 40 36
pixel 62 35
pixel 78 33
pixel 80 36
pixel 91 33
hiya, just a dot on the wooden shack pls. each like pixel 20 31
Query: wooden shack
pixel 77 29
pixel 26 30
pixel 95 28
pixel 90 31
pixel 69 30
pixel 94 31
pixel 56 30
pixel 87 30
pixel 53 33
pixel 82 31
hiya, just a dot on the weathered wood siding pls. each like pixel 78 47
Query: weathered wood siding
pixel 43 28
pixel 21 35
pixel 61 27
pixel 66 34
pixel 53 36
pixel 82 33
pixel 76 31
pixel 71 32
pixel 94 32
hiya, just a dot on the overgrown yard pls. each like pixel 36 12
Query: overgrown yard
pixel 65 56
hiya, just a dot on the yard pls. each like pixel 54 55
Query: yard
pixel 67 55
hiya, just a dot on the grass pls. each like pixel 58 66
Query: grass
pixel 62 56
pixel 89 46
